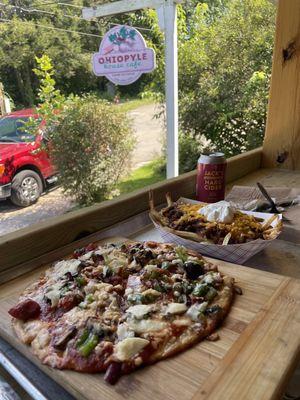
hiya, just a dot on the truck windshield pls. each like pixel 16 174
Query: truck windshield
pixel 12 131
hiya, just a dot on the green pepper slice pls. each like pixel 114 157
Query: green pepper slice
pixel 83 337
pixel 200 290
pixel 90 298
pixel 181 253
pixel 88 345
pixel 80 281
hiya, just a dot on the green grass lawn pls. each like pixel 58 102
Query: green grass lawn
pixel 129 105
pixel 141 177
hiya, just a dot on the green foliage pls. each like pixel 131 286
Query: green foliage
pixel 225 51
pixel 91 140
pixel 131 104
pixel 225 57
pixel 24 37
pixel 50 98
pixel 190 148
pixel 227 95
pixel 143 176
pixel 92 144
pixel 51 102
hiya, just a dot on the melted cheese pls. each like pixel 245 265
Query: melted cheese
pixel 124 332
pixel 77 316
pixel 208 279
pixel 128 291
pixel 175 277
pixel 86 256
pixel 129 347
pixel 94 286
pixel 53 293
pixel 62 267
pixel 104 250
pixel 38 297
pixel 29 329
pixel 194 311
pixel 114 259
pixel 146 325
pixel 182 322
pixel 43 338
pixel 151 292
pixel 176 308
pixel 211 277
pixel 140 310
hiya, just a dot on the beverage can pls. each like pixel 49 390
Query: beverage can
pixel 211 177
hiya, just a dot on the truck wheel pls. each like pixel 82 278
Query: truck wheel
pixel 26 188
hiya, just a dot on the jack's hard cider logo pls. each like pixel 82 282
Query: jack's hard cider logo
pixel 211 182
pixel 123 56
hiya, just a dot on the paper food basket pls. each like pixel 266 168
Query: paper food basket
pixel 235 253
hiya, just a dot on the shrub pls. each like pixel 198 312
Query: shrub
pixel 225 57
pixel 91 147
pixel 190 149
pixel 225 95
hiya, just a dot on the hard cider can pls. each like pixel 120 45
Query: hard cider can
pixel 211 177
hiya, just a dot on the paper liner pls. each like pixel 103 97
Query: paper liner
pixel 236 253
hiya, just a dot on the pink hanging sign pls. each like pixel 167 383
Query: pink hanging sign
pixel 123 56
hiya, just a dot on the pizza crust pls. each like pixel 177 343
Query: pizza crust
pixel 159 329
pixel 27 331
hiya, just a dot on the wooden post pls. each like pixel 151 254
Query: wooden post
pixel 167 11
pixel 282 139
pixel 171 77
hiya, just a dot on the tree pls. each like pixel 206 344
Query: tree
pixel 229 99
pixel 23 38
pixel 225 57
pixel 91 141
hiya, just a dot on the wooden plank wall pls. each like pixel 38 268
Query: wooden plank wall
pixel 282 140
pixel 36 240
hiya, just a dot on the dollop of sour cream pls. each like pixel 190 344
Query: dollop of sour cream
pixel 222 211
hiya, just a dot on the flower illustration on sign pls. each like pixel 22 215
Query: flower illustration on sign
pixel 123 56
pixel 124 39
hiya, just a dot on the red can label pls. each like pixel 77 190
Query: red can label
pixel 211 182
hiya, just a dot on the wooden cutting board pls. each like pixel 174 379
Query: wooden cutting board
pixel 258 349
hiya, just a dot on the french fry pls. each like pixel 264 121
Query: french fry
pixel 268 222
pixel 154 213
pixel 226 239
pixel 169 199
pixel 188 235
pixel 151 200
pixel 243 229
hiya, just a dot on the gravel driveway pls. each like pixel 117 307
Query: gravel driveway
pixel 149 132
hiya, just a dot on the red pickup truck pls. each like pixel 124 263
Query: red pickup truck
pixel 25 167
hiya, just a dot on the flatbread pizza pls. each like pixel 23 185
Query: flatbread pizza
pixel 116 308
